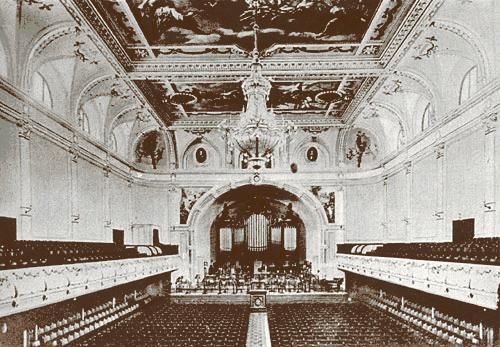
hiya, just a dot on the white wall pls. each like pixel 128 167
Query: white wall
pixel 364 212
pixel 459 190
pixel 465 181
pixel 91 203
pixel 71 198
pixel 151 207
pixel 50 190
pixel 424 198
pixel 9 170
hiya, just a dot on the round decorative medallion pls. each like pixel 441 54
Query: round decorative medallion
pixel 256 178
pixel 201 155
pixel 312 154
pixel 257 302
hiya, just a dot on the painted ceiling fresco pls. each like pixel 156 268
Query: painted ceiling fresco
pixel 229 22
pixel 189 57
pixel 285 96
pixel 203 97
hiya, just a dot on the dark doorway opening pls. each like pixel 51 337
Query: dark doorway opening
pixel 463 230
pixel 156 237
pixel 8 230
pixel 118 237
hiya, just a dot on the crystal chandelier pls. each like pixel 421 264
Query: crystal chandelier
pixel 258 132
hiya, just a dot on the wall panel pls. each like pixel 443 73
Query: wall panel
pixel 465 184
pixel 424 199
pixel 91 203
pixel 118 202
pixel 151 207
pixel 9 170
pixel 396 207
pixel 50 190
pixel 364 212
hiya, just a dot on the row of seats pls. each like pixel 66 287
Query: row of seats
pixel 477 251
pixel 164 324
pixel 54 326
pixel 39 253
pixel 444 326
pixel 351 324
pixel 73 327
pixel 19 254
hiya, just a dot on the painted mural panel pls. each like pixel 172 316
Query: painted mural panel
pixel 326 196
pixel 150 149
pixel 229 22
pixel 189 196
pixel 333 96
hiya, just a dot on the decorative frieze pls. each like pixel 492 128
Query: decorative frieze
pixel 29 288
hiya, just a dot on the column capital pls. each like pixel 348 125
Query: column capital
pixel 24 128
pixel 172 189
pixel 130 180
pixel 407 167
pixel 106 170
pixel 490 123
pixel 74 151
pixel 439 149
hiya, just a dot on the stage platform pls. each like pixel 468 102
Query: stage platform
pixel 272 298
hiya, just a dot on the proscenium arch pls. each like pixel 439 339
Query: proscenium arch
pixel 203 214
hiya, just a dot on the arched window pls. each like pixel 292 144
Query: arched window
pixel 469 84
pixel 83 121
pixel 426 117
pixel 3 61
pixel 41 90
pixel 113 144
pixel 401 139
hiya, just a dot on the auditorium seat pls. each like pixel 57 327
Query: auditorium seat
pixel 20 254
pixel 446 327
pixel 176 325
pixel 337 324
pixel 478 251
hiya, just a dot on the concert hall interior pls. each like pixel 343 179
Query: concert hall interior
pixel 249 173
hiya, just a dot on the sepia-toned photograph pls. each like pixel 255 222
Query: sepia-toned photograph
pixel 249 173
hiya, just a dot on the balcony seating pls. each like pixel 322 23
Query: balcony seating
pixel 20 254
pixel 337 324
pixel 477 251
pixel 168 249
pixel 163 324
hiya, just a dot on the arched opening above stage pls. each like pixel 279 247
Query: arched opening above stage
pixel 210 205
pixel 258 226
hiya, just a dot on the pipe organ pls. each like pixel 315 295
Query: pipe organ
pixel 258 234
pixel 257 227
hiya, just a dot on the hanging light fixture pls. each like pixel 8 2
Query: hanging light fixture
pixel 258 132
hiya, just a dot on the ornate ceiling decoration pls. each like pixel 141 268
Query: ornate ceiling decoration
pixel 189 57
